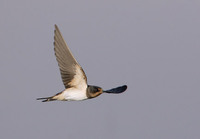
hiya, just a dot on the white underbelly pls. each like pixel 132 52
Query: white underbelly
pixel 74 94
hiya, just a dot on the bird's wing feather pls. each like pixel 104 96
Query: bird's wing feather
pixel 117 90
pixel 71 72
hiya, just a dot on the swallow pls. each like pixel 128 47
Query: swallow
pixel 73 76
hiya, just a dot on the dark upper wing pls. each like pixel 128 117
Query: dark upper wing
pixel 117 90
pixel 71 72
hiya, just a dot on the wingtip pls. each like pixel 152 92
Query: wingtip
pixel 125 87
pixel 56 28
pixel 117 90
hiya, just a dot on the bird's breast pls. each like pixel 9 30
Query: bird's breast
pixel 74 94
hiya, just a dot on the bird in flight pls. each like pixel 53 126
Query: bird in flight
pixel 73 76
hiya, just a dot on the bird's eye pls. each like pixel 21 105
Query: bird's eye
pixel 97 89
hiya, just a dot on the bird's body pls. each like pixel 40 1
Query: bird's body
pixel 73 76
pixel 71 94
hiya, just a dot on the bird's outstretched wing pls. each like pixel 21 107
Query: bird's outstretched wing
pixel 71 72
pixel 117 90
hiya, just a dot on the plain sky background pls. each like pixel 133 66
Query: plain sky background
pixel 152 46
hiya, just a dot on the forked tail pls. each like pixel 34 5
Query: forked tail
pixel 46 99
pixel 52 98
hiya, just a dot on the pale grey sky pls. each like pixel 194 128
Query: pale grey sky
pixel 152 46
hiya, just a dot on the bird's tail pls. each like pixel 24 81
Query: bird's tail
pixel 46 99
pixel 52 98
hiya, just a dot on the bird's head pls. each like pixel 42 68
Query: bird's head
pixel 94 91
